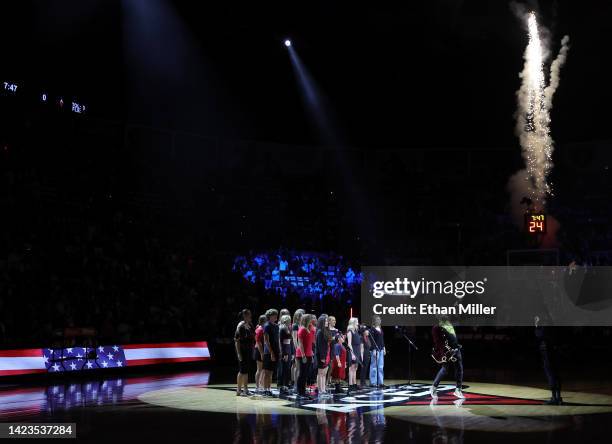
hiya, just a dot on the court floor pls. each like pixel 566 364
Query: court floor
pixel 197 405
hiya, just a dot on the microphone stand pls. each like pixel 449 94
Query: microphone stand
pixel 376 352
pixel 411 345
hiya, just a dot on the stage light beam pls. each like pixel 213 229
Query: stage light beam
pixel 287 43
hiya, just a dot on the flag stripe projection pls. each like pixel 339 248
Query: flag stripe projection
pixel 28 352
pixel 163 360
pixel 18 362
pixel 167 353
pixel 24 371
pixel 201 344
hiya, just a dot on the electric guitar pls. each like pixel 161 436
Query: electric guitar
pixel 448 354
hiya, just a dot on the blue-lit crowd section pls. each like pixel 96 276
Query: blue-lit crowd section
pixel 308 274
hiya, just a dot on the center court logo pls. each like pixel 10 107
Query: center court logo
pixel 414 394
pixel 376 399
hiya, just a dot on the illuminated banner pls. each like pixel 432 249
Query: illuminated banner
pixel 495 296
pixel 74 359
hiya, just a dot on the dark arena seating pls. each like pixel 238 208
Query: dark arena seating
pixel 115 252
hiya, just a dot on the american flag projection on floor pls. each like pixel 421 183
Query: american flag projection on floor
pixel 73 359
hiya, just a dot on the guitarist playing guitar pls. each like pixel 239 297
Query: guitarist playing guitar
pixel 446 351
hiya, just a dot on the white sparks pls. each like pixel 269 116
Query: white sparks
pixel 533 118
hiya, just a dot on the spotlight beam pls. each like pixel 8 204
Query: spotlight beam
pixel 313 99
pixel 317 108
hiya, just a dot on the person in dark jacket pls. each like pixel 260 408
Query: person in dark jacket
pixel 322 349
pixel 271 349
pixel 546 338
pixel 364 367
pixel 378 352
pixel 331 321
pixel 355 347
pixel 244 339
pixel 284 370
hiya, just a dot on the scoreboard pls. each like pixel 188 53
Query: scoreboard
pixel 535 223
pixel 43 97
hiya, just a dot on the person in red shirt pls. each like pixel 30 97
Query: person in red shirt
pixel 312 371
pixel 258 351
pixel 297 317
pixel 339 363
pixel 304 352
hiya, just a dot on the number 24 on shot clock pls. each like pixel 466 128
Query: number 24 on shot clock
pixel 535 223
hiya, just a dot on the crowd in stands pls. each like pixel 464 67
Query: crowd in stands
pixel 309 274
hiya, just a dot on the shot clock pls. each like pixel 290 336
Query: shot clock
pixel 535 223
